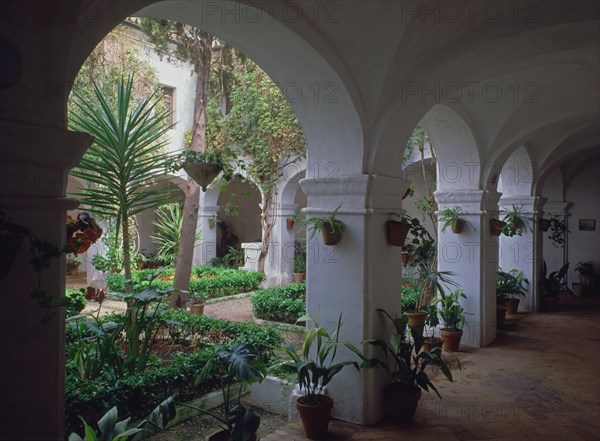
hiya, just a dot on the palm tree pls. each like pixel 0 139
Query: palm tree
pixel 126 159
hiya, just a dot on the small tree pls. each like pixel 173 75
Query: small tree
pixel 263 127
pixel 125 160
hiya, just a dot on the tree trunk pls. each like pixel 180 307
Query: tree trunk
pixel 185 255
pixel 126 251
pixel 267 226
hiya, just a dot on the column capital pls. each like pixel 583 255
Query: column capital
pixel 471 201
pixel 35 160
pixel 356 194
pixel 530 204
pixel 556 208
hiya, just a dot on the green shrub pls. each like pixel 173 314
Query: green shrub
pixel 135 394
pixel 410 296
pixel 285 304
pixel 215 282
pixel 74 301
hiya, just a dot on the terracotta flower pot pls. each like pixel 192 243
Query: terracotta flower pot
pixel 451 339
pixel 400 403
pixel 500 316
pixel 496 226
pixel 459 227
pixel 416 321
pixel 397 232
pixel 197 308
pixel 544 224
pixel 299 277
pixel 512 306
pixel 405 257
pixel 432 342
pixel 72 270
pixel 203 172
pixel 551 303
pixel 315 416
pixel 331 237
pixel 290 223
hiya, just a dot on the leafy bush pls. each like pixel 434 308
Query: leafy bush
pixel 410 296
pixel 135 394
pixel 215 282
pixel 74 301
pixel 285 304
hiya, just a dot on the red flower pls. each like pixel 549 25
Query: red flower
pixel 90 293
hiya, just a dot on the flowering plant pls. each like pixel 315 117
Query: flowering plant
pixel 82 233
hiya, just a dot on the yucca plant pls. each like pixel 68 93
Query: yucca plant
pixel 168 232
pixel 126 160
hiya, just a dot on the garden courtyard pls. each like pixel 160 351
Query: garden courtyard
pixel 539 380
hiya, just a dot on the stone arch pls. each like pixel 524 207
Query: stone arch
pixel 517 177
pixel 302 63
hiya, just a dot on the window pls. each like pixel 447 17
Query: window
pixel 169 99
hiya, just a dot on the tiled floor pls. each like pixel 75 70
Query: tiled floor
pixel 539 381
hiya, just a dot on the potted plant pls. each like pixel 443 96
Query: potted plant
pixel 496 226
pixel 453 317
pixel 509 287
pixel 204 167
pixel 558 231
pixel 238 363
pixel 552 286
pixel 450 217
pixel 427 282
pixel 406 365
pixel 73 264
pixel 587 275
pixel 544 224
pixel 397 231
pixel 432 322
pixel 330 226
pixel 314 368
pixel 515 222
pixel 299 267
pixel 198 302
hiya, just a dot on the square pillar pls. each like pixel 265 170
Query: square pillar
pixel 355 277
pixel 524 252
pixel 473 257
pixel 206 248
pixel 280 259
pixel 34 165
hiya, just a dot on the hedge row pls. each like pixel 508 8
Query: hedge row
pixel 214 282
pixel 136 395
pixel 285 304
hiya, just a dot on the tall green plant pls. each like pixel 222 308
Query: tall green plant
pixel 168 232
pixel 125 160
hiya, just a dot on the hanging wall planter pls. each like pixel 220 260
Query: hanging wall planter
pixel 397 232
pixel 544 224
pixel 331 227
pixel 203 172
pixel 332 234
pixel 290 223
pixel 496 226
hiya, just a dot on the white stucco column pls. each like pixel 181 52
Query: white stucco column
pixel 473 257
pixel 280 259
pixel 524 252
pixel 206 247
pixel 355 277
pixel 34 162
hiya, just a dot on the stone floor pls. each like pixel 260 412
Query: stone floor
pixel 540 380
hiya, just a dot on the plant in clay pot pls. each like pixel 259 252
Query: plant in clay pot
pixel 406 365
pixel 553 285
pixel 515 222
pixel 453 317
pixel 330 226
pixel 509 287
pixel 315 366
pixel 300 262
pixel 198 302
pixel 450 217
pixel 430 341
pixel 73 264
